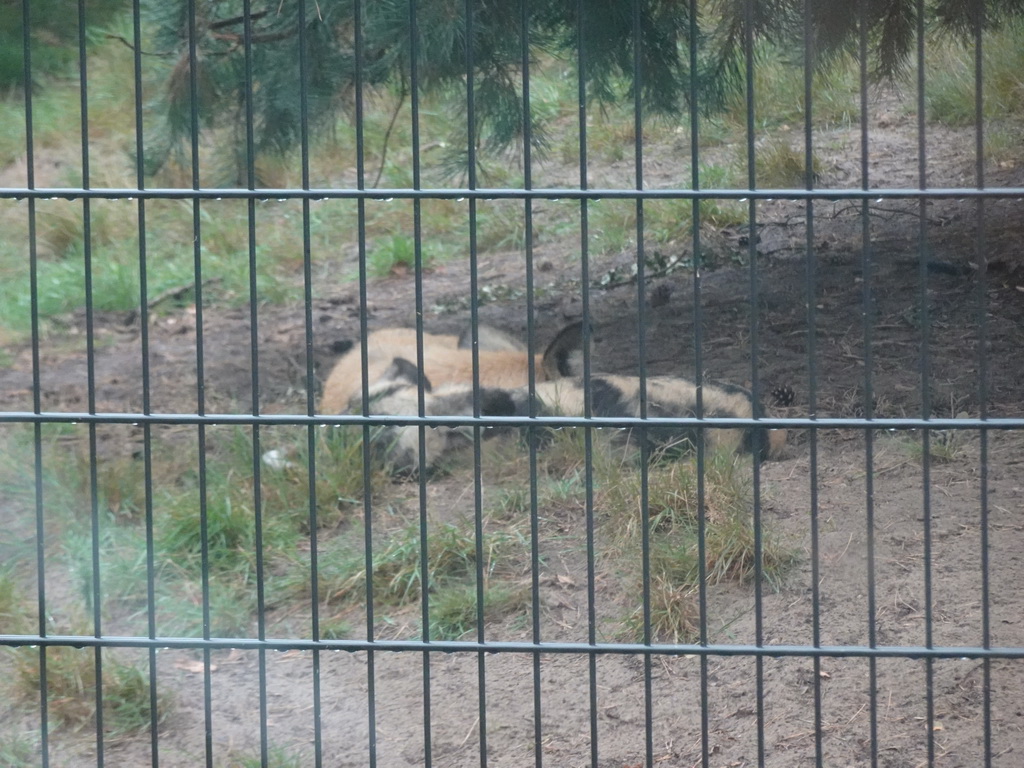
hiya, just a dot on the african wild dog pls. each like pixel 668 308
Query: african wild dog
pixel 397 393
pixel 503 362
pixel 667 397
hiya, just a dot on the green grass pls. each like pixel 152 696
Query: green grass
pixel 950 86
pixel 71 690
pixel 398 577
pixel 943 445
pixel 277 757
pixel 672 519
pixel 453 611
pixel 338 453
pixel 179 531
pixel 16 613
pixel 451 557
pixel 782 165
pixel 950 91
pixel 19 751
pixel 779 95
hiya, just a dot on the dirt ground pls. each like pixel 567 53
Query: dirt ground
pixel 830 471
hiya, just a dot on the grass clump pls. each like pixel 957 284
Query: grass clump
pixel 674 613
pixel 950 86
pixel 780 165
pixel 339 475
pixel 944 445
pixel 673 511
pixel 19 751
pixel 284 496
pixel 398 579
pixel 16 616
pixel 217 511
pixel 779 93
pixel 453 611
pixel 71 690
pixel 277 757
pixel 396 255
pixel 451 556
pixel 673 516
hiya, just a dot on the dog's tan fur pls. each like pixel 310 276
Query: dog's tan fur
pixel 503 362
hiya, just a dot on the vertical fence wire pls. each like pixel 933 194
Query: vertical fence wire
pixel 147 436
pixel 810 292
pixel 37 428
pixel 751 157
pixel 924 321
pixel 90 362
pixel 424 532
pixel 641 334
pixel 868 324
pixel 474 319
pixel 254 357
pixel 310 382
pixel 981 301
pixel 698 368
pixel 531 377
pixel 201 432
pixel 368 496
pixel 588 456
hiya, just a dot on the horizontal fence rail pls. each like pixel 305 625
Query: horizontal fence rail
pixel 594 422
pixel 498 646
pixel 478 193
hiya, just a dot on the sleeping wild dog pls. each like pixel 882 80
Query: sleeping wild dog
pixel 503 362
pixel 397 391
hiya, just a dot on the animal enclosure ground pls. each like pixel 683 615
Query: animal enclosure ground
pixel 835 471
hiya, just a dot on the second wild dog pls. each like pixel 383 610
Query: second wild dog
pixel 397 393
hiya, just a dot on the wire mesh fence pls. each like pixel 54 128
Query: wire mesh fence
pixel 372 398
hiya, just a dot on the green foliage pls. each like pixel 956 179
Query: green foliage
pixel 228 527
pixel 53 36
pixel 114 258
pixel 674 612
pixel 339 474
pixel 334 628
pixel 334 66
pixel 602 39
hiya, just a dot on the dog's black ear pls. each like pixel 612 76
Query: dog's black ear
pixel 496 402
pixel 402 370
pixel 564 355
